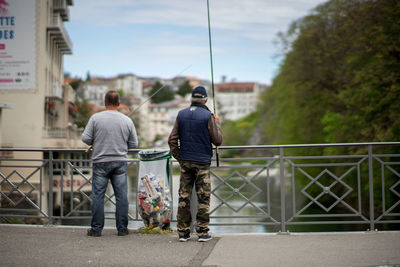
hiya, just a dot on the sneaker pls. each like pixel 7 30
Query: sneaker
pixel 184 238
pixel 90 232
pixel 123 233
pixel 205 238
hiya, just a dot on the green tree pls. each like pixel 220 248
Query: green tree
pixel 76 83
pixel 339 82
pixel 185 89
pixel 88 77
pixel 84 113
pixel 163 95
pixel 121 93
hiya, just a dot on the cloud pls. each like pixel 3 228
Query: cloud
pixel 155 37
pixel 245 18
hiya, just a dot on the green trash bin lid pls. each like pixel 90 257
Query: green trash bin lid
pixel 153 154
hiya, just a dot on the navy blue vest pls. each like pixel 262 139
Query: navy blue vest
pixel 194 138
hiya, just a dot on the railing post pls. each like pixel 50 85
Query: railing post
pixel 283 193
pixel 171 185
pixel 50 206
pixel 371 189
pixel 137 189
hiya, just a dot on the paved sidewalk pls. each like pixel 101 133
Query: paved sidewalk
pixel 66 246
pixel 69 246
pixel 341 249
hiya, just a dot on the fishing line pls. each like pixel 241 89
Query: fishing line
pixel 156 92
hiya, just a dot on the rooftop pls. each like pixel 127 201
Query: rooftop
pixel 238 87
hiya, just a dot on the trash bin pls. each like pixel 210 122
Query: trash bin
pixel 154 195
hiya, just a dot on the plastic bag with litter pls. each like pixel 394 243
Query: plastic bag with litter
pixel 154 196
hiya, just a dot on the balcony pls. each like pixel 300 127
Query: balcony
pixel 55 90
pixel 54 132
pixel 61 7
pixel 59 34
pixel 62 137
pixel 62 132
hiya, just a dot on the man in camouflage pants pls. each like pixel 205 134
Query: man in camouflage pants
pixel 191 139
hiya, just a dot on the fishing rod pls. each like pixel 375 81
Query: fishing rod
pixel 212 74
pixel 211 58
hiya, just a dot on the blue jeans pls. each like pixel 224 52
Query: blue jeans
pixel 115 171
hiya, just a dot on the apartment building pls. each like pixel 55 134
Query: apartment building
pixel 95 90
pixel 162 117
pixel 31 73
pixel 237 99
pixel 41 108
pixel 129 84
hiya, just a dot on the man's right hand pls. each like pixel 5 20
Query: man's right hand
pixel 216 117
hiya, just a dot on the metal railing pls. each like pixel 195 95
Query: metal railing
pixel 280 187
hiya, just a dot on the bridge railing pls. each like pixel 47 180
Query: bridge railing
pixel 278 188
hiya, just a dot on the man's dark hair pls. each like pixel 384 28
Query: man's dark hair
pixel 111 98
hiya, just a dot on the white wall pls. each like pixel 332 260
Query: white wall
pixel 130 85
pixel 22 126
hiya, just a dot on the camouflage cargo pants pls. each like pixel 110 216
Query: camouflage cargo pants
pixel 198 174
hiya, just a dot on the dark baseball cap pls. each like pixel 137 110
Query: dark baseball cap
pixel 199 92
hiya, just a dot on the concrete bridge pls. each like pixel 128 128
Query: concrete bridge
pixel 278 189
pixel 24 245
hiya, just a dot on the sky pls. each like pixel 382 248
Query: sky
pixel 168 38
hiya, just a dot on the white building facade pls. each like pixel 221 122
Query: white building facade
pixel 94 91
pixel 32 76
pixel 162 118
pixel 237 99
pixel 129 84
pixel 32 47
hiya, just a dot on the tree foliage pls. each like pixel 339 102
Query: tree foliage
pixel 339 82
pixel 340 79
pixel 165 94
pixel 121 92
pixel 235 132
pixel 185 89
pixel 84 113
pixel 75 84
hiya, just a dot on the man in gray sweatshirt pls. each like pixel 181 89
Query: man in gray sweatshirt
pixel 110 134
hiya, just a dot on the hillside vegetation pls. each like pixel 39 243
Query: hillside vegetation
pixel 339 80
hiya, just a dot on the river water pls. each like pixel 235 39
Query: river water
pixel 257 202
